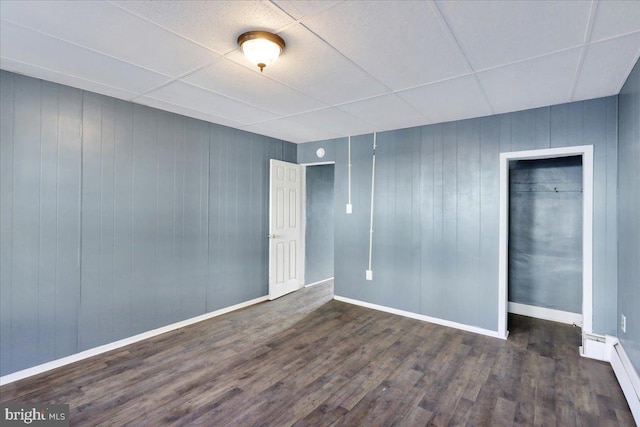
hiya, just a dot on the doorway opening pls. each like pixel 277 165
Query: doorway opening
pixel 583 155
pixel 318 217
pixel 545 239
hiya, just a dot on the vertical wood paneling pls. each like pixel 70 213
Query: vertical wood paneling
pixel 523 126
pixel 439 279
pixel 194 269
pixel 40 155
pixel 593 116
pixel 123 220
pixel 504 121
pixel 319 237
pixel 171 213
pixel 166 265
pixel 468 225
pixel 264 168
pixel 217 231
pixel 489 216
pixel 203 236
pixel 451 288
pixel 384 226
pixel 225 219
pixel 628 208
pixel 256 235
pixel 26 222
pixel 459 178
pixel 406 210
pixel 48 221
pixel 611 214
pixel 69 214
pixel 428 281
pixel 90 304
pixel 6 216
pixel 179 245
pixel 243 213
pixel 107 193
pixel 144 286
pixel 542 125
pixel 414 146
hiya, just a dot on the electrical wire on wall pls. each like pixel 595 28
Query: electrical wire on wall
pixel 349 206
pixel 369 272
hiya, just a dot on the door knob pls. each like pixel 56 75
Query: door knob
pixel 272 236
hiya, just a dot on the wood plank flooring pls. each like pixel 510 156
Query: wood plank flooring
pixel 307 360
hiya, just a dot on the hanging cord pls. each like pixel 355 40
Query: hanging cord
pixel 349 208
pixel 373 183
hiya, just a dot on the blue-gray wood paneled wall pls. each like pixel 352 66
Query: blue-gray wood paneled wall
pixel 435 249
pixel 629 215
pixel 306 153
pixel 117 218
pixel 319 237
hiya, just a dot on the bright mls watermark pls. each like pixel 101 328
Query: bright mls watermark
pixel 34 415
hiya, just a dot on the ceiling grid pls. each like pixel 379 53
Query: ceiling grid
pixel 349 67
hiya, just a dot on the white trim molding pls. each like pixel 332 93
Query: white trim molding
pixel 332 162
pixel 318 282
pixel 628 378
pixel 546 313
pixel 25 373
pixel 586 151
pixel 422 317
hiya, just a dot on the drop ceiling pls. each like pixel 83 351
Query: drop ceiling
pixel 350 67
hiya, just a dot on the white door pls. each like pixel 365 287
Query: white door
pixel 285 237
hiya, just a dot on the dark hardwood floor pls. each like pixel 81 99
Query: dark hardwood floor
pixel 307 360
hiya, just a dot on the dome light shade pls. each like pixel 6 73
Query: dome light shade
pixel 261 47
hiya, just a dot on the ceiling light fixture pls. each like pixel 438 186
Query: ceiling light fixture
pixel 261 47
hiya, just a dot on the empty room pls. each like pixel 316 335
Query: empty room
pixel 320 213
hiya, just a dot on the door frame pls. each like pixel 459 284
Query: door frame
pixel 586 152
pixel 303 214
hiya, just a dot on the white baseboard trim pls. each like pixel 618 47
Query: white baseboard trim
pixel 628 378
pixel 121 343
pixel 461 326
pixel 545 313
pixel 318 282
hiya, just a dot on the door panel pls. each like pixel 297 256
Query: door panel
pixel 284 228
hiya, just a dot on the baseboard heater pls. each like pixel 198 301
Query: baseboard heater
pixel 628 379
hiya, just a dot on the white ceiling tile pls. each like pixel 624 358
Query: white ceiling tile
pixel 290 129
pixel 29 47
pixel 214 24
pixel 112 31
pixel 385 112
pixel 605 66
pixel 535 83
pixel 455 99
pixel 310 66
pixel 198 99
pixel 615 17
pixel 281 129
pixel 493 33
pixel 407 48
pixel 252 87
pixel 178 109
pixel 63 79
pixel 299 9
pixel 334 122
pixel 340 81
